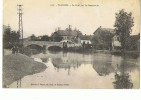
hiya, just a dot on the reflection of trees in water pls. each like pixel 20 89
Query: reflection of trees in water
pixel 122 81
pixel 103 65
pixel 104 71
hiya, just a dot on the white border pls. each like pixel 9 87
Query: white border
pixel 62 94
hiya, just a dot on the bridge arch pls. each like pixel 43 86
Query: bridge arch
pixel 44 44
pixel 35 46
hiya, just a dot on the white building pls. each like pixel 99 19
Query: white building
pixel 86 41
pixel 116 44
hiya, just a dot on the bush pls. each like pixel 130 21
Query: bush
pixel 26 51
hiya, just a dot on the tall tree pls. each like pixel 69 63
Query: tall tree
pixel 6 35
pixel 10 38
pixel 123 27
pixel 14 37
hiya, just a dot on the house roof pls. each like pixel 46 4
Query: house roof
pixel 105 30
pixel 68 32
pixel 86 37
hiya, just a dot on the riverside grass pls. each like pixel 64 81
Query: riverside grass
pixel 16 66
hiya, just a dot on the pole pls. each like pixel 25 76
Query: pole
pixel 20 23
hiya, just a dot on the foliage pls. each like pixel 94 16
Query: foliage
pixel 33 37
pixel 123 26
pixel 39 38
pixel 45 38
pixel 26 51
pixel 122 81
pixel 133 42
pixel 57 38
pixel 10 38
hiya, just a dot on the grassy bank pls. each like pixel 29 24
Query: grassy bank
pixel 133 54
pixel 16 66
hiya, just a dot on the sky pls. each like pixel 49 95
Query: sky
pixel 40 17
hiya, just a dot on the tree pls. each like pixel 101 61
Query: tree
pixel 33 37
pixel 10 38
pixel 14 37
pixel 123 27
pixel 56 37
pixel 6 37
pixel 45 38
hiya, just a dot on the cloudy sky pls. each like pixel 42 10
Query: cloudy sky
pixel 41 17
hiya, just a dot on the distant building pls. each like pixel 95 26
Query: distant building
pixel 67 34
pixel 134 42
pixel 102 38
pixel 116 44
pixel 86 39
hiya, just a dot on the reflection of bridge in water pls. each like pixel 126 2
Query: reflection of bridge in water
pixel 45 44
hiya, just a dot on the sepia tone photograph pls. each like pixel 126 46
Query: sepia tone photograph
pixel 71 44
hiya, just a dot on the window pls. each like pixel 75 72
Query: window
pixel 117 38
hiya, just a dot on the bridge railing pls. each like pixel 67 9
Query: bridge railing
pixel 41 43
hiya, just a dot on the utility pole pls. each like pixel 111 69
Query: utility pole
pixel 20 23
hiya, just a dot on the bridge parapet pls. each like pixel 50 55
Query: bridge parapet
pixel 42 43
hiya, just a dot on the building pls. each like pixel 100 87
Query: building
pixel 102 38
pixel 116 44
pixel 134 42
pixel 67 34
pixel 86 39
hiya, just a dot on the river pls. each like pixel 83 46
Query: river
pixel 77 70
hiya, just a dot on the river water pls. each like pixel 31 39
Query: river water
pixel 77 70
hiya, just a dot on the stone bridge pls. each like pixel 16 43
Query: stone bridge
pixel 47 44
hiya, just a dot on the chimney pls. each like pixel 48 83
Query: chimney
pixel 69 27
pixel 58 28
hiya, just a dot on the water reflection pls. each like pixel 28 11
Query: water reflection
pixel 103 65
pixel 122 76
pixel 94 70
pixel 65 63
pixel 122 81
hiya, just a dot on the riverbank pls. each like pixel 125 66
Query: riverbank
pixel 113 52
pixel 16 66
